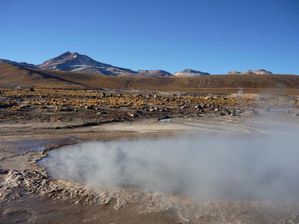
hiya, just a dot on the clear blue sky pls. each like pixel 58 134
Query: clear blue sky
pixel 208 35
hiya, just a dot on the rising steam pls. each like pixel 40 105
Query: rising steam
pixel 230 168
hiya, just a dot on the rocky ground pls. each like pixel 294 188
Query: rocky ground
pixel 44 105
pixel 35 121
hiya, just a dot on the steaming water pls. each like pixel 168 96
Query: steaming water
pixel 216 167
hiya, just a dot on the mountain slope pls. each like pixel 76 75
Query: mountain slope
pixel 23 64
pixel 13 75
pixel 76 62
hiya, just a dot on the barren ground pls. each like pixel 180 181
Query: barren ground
pixel 34 122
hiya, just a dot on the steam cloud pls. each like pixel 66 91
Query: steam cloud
pixel 216 167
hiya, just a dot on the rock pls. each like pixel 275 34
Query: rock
pixel 134 114
pixel 66 109
pixel 90 107
pixel 164 118
pixel 222 113
pixel 296 114
pixel 255 112
pixel 8 104
pixel 24 107
pixel 198 107
pixel 165 109
pixel 233 113
pixel 3 171
pixel 102 94
pixel 101 113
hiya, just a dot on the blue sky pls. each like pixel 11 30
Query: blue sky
pixel 208 35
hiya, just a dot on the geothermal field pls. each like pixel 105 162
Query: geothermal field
pixel 149 112
pixel 127 156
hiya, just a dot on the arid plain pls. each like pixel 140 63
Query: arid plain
pixel 38 121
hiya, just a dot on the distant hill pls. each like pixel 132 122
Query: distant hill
pixel 190 73
pixel 154 73
pixel 24 64
pixel 14 75
pixel 255 72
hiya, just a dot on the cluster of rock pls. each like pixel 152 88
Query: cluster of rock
pixel 100 106
pixel 202 108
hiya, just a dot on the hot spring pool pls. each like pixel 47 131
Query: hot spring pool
pixel 215 167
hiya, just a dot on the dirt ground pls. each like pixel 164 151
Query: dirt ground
pixel 34 122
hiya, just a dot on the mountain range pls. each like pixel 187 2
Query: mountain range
pixel 73 70
pixel 75 62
